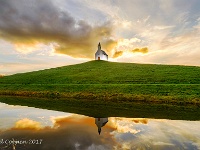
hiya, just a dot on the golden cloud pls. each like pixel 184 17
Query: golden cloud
pixel 72 37
pixel 140 50
pixel 109 44
pixel 143 121
pixel 136 50
pixel 27 124
pixel 115 123
pixel 118 54
pixel 74 119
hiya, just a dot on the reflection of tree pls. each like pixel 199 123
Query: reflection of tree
pixel 100 122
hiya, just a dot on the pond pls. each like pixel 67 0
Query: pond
pixel 31 128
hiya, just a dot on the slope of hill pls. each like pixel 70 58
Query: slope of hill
pixel 102 72
pixel 110 81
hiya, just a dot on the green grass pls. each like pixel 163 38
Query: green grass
pixel 163 93
pixel 115 83
pixel 102 72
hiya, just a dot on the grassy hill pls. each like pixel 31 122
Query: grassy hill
pixel 102 72
pixel 112 81
pixel 113 89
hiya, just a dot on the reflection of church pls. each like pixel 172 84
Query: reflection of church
pixel 100 122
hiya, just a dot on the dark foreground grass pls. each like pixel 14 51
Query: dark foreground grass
pixel 176 94
pixel 103 108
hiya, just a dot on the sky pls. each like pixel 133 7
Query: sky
pixel 59 130
pixel 39 34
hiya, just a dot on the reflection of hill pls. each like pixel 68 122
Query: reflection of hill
pixel 104 109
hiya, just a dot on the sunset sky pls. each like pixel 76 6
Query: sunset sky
pixel 39 34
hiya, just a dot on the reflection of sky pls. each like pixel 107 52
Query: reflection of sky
pixel 61 130
pixel 10 114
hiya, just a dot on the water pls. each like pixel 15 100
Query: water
pixel 31 128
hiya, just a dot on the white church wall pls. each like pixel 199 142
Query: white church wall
pixel 101 55
pixel 104 57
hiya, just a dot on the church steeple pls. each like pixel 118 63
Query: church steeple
pixel 99 46
pixel 99 130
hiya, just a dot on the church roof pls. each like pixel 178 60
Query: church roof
pixel 104 52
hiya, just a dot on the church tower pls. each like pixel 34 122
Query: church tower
pixel 99 46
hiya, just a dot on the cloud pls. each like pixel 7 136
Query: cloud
pixel 126 44
pixel 125 125
pixel 109 45
pixel 163 27
pixel 140 50
pixel 136 50
pixel 143 121
pixel 121 46
pixel 29 24
pixel 117 54
pixel 27 124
